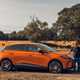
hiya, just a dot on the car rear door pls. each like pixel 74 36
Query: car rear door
pixel 18 53
pixel 22 54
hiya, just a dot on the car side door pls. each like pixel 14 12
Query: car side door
pixel 23 56
pixel 16 53
pixel 35 57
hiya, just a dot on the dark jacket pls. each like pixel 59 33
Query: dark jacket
pixel 76 51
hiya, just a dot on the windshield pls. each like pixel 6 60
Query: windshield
pixel 47 48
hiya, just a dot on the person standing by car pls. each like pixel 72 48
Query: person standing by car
pixel 76 55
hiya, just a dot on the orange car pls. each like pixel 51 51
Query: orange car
pixel 36 54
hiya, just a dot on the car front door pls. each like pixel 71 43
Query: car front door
pixel 35 57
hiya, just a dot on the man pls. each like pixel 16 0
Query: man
pixel 76 55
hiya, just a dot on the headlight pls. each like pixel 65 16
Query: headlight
pixel 65 57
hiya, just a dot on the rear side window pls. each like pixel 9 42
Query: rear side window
pixel 15 47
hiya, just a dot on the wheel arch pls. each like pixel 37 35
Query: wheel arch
pixel 6 59
pixel 55 60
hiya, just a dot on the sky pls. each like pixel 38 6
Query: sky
pixel 15 14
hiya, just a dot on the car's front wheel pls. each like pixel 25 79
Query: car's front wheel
pixel 6 65
pixel 55 67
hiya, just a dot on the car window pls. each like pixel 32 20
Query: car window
pixel 47 48
pixel 2 48
pixel 31 48
pixel 15 47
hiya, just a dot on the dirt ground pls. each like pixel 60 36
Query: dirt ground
pixel 37 76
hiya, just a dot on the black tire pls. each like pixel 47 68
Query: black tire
pixel 55 67
pixel 6 65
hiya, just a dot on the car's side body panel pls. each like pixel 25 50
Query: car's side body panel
pixel 35 57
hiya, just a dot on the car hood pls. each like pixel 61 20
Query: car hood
pixel 61 52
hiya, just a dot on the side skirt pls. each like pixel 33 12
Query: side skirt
pixel 30 66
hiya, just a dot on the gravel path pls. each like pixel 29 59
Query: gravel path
pixel 37 76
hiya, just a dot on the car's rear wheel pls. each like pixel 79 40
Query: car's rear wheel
pixel 55 67
pixel 6 65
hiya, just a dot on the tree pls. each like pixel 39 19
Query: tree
pixel 35 29
pixel 68 23
pixel 1 35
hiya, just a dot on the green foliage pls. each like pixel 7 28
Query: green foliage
pixel 68 23
pixel 35 29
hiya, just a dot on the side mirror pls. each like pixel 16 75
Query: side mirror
pixel 43 51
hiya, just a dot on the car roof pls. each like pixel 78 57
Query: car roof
pixel 25 44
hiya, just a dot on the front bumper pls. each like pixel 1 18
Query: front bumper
pixel 68 64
